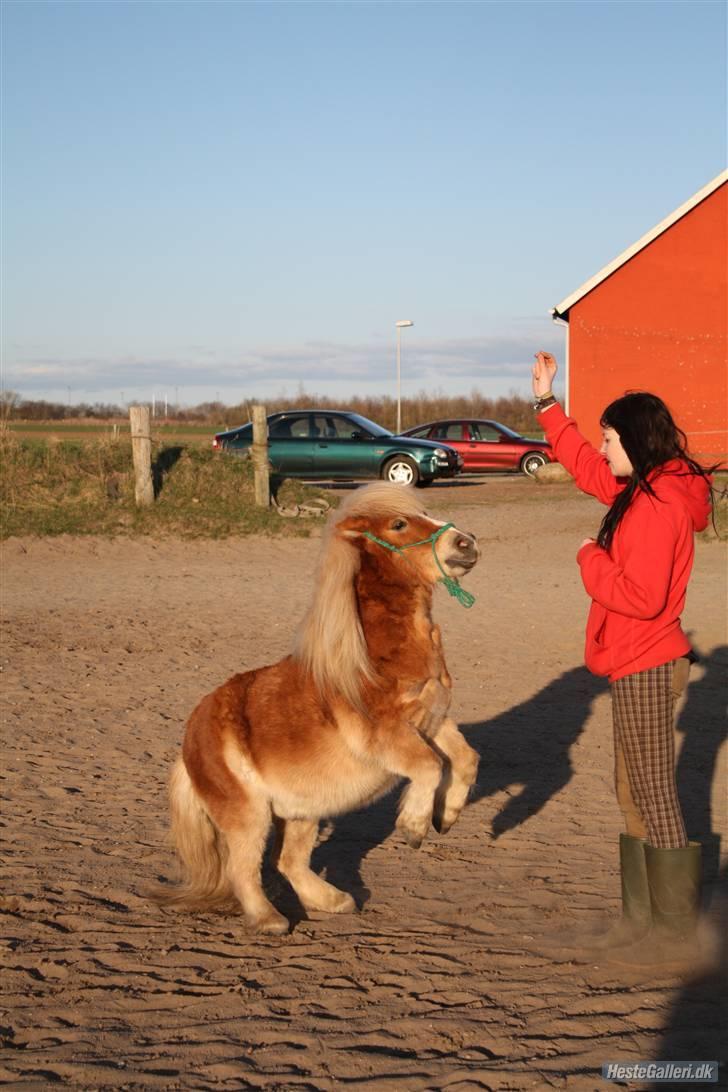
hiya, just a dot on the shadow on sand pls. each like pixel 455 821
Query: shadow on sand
pixel 530 745
pixel 702 725
pixel 695 1029
pixel 696 1026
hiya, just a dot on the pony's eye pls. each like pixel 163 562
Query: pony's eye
pixel 399 525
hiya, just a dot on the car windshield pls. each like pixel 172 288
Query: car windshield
pixel 368 426
pixel 508 431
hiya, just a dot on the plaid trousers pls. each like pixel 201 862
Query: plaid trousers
pixel 643 714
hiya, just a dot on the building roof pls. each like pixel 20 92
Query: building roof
pixel 561 310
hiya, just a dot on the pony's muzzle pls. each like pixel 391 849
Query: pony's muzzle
pixel 465 551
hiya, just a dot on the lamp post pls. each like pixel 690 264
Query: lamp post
pixel 400 326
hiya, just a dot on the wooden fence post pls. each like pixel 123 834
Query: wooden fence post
pixel 260 457
pixel 141 450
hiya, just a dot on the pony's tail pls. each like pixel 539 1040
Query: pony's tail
pixel 201 848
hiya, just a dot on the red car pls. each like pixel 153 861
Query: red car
pixel 487 445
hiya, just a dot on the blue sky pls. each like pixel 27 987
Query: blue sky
pixel 226 200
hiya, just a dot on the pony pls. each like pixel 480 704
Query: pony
pixel 360 703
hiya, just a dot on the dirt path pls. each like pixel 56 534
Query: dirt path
pixel 437 982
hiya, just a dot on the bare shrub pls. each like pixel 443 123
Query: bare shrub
pixel 512 410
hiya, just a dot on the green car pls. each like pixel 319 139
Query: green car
pixel 342 446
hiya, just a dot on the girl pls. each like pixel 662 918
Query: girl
pixel 636 573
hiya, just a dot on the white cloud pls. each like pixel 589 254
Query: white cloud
pixel 498 363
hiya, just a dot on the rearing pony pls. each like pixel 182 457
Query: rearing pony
pixel 360 703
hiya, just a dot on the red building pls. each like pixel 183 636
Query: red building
pixel 656 319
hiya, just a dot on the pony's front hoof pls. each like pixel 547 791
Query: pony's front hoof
pixel 273 925
pixel 443 822
pixel 343 905
pixel 413 838
pixel 330 901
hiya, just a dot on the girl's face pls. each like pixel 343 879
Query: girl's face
pixel 615 454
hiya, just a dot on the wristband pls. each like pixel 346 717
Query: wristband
pixel 544 401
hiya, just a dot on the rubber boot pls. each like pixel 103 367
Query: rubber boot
pixel 636 919
pixel 636 916
pixel 673 876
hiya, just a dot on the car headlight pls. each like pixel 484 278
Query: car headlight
pixel 441 454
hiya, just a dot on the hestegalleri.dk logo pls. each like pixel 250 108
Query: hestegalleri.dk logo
pixel 694 1072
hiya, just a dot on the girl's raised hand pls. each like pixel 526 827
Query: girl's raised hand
pixel 544 370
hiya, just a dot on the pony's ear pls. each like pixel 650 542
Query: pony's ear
pixel 352 528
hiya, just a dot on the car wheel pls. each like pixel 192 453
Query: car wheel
pixel 401 470
pixel 531 462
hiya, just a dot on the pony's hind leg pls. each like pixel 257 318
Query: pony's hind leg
pixel 243 817
pixel 246 832
pixel 458 777
pixel 295 841
pixel 233 796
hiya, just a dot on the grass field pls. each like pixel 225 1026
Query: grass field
pixel 85 485
pixel 70 430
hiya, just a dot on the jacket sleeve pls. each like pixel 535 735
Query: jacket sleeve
pixel 638 586
pixel 589 469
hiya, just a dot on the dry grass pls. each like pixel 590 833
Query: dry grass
pixel 52 487
pixel 513 410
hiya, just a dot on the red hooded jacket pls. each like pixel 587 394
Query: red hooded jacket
pixel 638 586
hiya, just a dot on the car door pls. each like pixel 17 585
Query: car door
pixel 475 454
pixel 487 452
pixel 290 445
pixel 510 450
pixel 340 448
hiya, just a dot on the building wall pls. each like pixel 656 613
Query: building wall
pixel 660 323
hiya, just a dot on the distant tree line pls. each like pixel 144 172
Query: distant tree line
pixel 512 410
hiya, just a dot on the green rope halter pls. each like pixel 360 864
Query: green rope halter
pixel 464 597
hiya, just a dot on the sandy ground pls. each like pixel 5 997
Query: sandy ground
pixel 438 982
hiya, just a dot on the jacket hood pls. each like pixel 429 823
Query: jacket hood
pixel 690 488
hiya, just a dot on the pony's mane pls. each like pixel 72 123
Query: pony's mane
pixel 379 499
pixel 330 643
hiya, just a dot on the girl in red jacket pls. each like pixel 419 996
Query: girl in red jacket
pixel 636 573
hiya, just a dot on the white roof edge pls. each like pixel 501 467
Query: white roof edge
pixel 561 309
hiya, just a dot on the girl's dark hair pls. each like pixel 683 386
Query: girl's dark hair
pixel 650 439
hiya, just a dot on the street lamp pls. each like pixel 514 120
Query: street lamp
pixel 400 326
